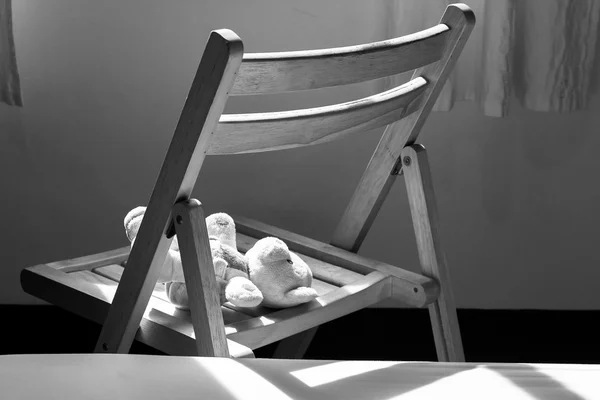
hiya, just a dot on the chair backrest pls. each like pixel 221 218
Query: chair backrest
pixel 431 53
pixel 264 73
pixel 202 129
pixel 224 70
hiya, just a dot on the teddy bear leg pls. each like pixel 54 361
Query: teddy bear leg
pixel 242 292
pixel 300 295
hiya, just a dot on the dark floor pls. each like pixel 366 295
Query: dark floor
pixel 376 334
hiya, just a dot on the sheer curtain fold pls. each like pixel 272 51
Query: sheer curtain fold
pixel 10 87
pixel 541 51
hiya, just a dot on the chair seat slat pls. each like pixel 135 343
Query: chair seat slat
pixel 261 331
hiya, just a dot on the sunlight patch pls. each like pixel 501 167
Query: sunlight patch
pixel 475 384
pixel 580 380
pixel 241 381
pixel 108 291
pixel 322 374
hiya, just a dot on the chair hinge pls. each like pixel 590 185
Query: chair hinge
pixel 170 230
pixel 397 170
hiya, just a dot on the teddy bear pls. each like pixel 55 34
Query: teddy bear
pixel 231 269
pixel 283 278
pixel 240 291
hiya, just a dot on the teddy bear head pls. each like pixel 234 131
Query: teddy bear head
pixel 282 276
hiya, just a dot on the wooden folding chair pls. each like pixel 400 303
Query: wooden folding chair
pixel 118 288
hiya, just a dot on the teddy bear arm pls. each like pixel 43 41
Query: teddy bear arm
pixel 234 258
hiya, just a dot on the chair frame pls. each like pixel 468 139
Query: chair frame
pixel 171 211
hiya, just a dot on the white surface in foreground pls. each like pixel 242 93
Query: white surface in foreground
pixel 101 376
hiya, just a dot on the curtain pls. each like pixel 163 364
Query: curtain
pixel 10 87
pixel 543 52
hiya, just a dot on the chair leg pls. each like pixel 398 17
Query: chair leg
pixel 295 346
pixel 201 284
pixel 423 208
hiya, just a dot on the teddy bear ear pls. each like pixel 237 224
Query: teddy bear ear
pixel 132 222
pixel 219 222
pixel 222 226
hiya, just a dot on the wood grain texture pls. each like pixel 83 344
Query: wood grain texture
pixel 312 69
pixel 261 331
pixel 251 312
pixel 90 300
pixel 200 280
pixel 322 288
pixel 379 175
pixel 411 288
pixel 92 261
pixel 421 196
pixel 201 112
pixel 114 273
pixel 183 336
pixel 89 296
pixel 248 133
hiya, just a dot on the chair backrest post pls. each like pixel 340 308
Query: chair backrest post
pixel 382 169
pixel 203 107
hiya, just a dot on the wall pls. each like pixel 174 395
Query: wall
pixel 104 83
